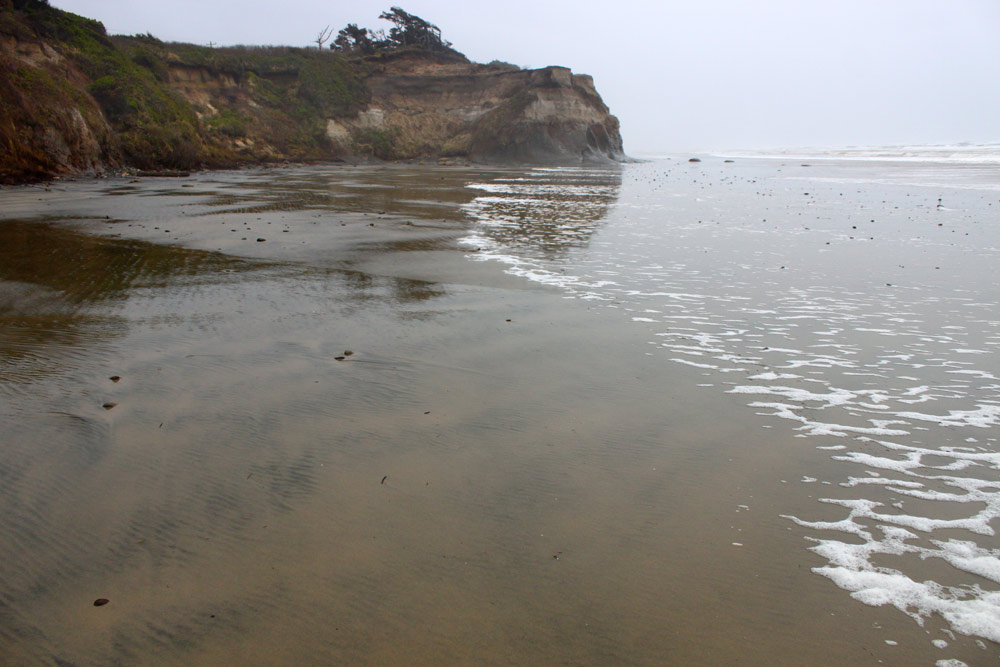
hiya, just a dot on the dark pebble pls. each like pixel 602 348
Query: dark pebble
pixel 100 602
pixel 115 378
pixel 261 240
pixel 339 358
pixel 109 405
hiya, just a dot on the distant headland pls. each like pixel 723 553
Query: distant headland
pixel 78 101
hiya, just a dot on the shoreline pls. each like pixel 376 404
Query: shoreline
pixel 494 470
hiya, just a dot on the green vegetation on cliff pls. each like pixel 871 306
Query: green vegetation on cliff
pixel 75 100
pixel 126 90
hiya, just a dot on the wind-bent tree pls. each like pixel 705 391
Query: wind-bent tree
pixel 411 30
pixel 353 38
pixel 408 30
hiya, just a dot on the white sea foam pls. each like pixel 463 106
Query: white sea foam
pixel 846 367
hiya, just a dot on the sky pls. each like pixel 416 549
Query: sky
pixel 683 75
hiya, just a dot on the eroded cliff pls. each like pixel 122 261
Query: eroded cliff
pixel 424 107
pixel 74 100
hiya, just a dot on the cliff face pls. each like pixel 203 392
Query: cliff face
pixel 49 124
pixel 491 114
pixel 73 100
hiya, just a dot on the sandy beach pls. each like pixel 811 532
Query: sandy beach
pixel 335 415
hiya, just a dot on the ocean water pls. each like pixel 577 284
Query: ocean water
pixel 853 298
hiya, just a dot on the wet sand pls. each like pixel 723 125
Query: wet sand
pixel 495 474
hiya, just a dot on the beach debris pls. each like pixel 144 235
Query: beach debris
pixel 109 405
pixel 100 602
pixel 694 159
pixel 383 479
pixel 348 353
pixel 115 378
pixel 261 240
pixel 339 358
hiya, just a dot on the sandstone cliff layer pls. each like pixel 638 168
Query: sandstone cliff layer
pixel 74 100
pixel 484 113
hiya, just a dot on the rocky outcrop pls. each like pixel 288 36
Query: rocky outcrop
pixel 483 113
pixel 73 100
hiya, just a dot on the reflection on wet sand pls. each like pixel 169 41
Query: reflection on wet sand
pixel 55 284
pixel 493 475
pixel 426 194
pixel 175 416
pixel 543 215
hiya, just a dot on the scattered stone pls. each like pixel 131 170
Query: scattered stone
pixel 115 378
pixel 694 159
pixel 100 602
pixel 348 353
pixel 109 405
pixel 261 240
pixel 339 358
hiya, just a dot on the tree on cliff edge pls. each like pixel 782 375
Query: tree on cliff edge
pixel 411 30
pixel 408 30
pixel 353 38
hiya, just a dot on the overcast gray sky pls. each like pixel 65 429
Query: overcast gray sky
pixel 703 74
